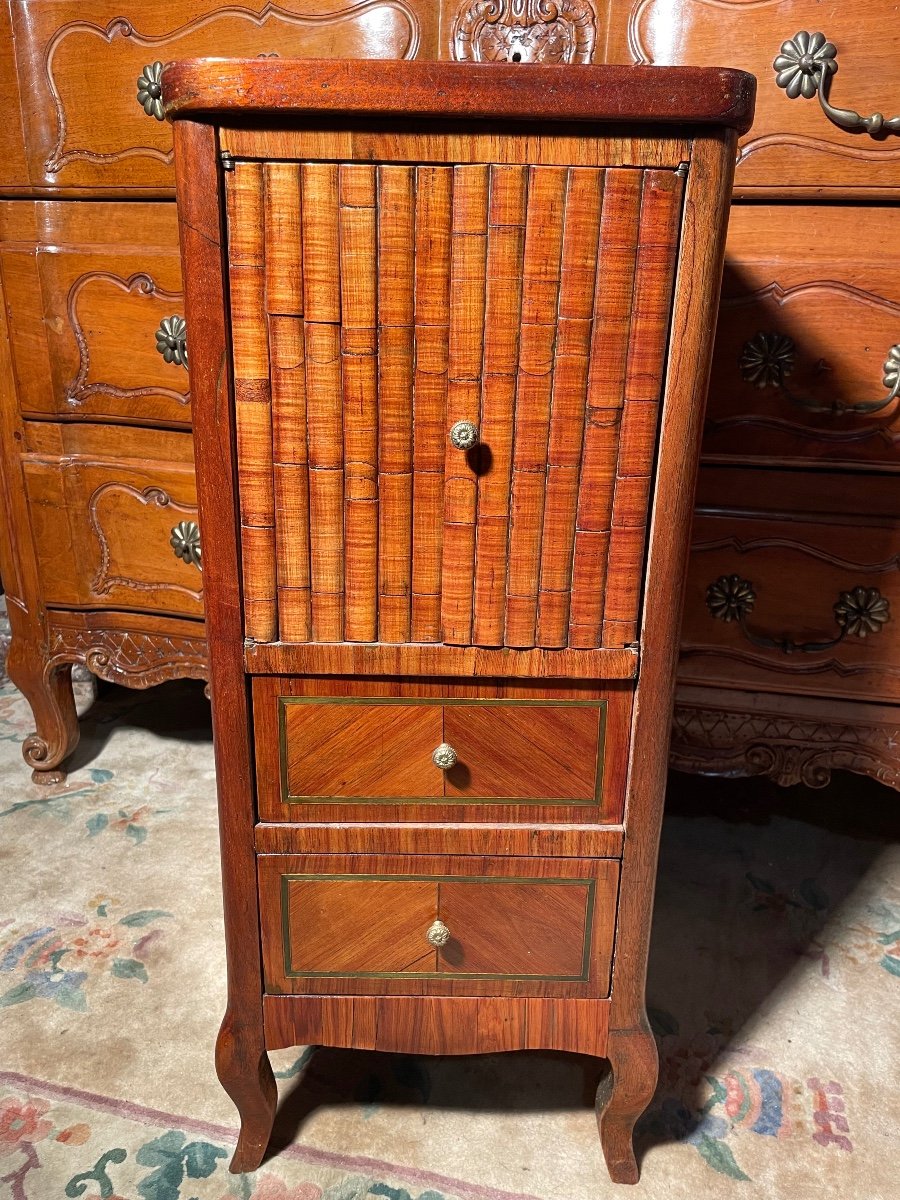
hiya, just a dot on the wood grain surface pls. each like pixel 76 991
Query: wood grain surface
pixel 561 281
pixel 696 96
pixel 517 926
pixel 359 749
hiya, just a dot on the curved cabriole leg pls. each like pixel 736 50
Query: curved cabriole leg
pixel 623 1095
pixel 52 702
pixel 246 1075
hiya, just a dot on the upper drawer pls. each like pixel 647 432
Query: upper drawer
pixel 447 380
pixel 93 297
pixel 114 516
pixel 807 353
pixel 794 146
pixel 424 751
pixel 89 72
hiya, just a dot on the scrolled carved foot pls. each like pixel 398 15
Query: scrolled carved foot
pixel 622 1096
pixel 246 1075
pixel 53 706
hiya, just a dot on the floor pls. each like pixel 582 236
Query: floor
pixel 774 984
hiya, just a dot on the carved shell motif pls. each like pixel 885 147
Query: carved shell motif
pixel 544 31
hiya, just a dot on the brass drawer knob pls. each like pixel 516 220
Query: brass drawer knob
pixel 463 435
pixel 438 934
pixel 185 542
pixel 171 340
pixel 149 90
pixel 444 757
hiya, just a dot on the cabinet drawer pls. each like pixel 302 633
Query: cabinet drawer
pixel 105 131
pixel 114 516
pixel 422 924
pixel 95 310
pixel 805 605
pixel 793 145
pixel 807 348
pixel 499 747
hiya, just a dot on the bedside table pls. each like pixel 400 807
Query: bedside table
pixel 450 335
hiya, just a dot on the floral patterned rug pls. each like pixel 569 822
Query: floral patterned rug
pixel 774 983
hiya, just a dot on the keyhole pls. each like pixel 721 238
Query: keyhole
pixel 517 56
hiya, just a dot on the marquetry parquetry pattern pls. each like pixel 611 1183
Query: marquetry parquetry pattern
pixel 372 307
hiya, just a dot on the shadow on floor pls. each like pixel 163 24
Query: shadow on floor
pixel 762 868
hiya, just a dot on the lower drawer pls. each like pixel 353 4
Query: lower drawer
pixel 432 925
pixel 114 515
pixel 794 605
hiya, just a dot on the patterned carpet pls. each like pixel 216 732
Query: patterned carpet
pixel 775 975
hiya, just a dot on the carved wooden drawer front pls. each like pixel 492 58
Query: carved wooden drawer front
pixel 420 750
pixel 94 298
pixel 89 72
pixel 807 359
pixel 475 925
pixel 795 145
pixel 115 524
pixel 424 455
pixel 806 602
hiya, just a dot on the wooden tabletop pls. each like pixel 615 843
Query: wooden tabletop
pixel 510 91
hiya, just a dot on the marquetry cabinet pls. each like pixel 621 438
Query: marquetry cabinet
pixel 451 334
pixel 804 389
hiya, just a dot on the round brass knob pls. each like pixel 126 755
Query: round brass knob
pixel 438 934
pixel 444 757
pixel 463 435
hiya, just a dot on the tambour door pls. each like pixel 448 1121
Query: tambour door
pixel 372 749
pixel 447 381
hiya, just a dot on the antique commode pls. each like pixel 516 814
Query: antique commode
pixel 450 335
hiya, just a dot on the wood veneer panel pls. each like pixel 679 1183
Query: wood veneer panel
pixel 455 1025
pixel 533 928
pixel 549 933
pixel 416 837
pixel 345 749
pixel 527 752
pixel 355 754
pixel 465 661
pixel 356 926
pixel 247 277
pixel 560 282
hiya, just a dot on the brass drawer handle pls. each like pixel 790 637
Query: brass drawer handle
pixel 185 542
pixel 768 358
pixel 463 435
pixel 438 934
pixel 149 90
pixel 857 613
pixel 444 756
pixel 171 340
pixel 806 63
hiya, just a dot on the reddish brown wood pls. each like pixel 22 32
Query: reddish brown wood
pixel 520 92
pixel 345 760
pixel 424 1025
pixel 241 1060
pixel 528 926
pixel 523 756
